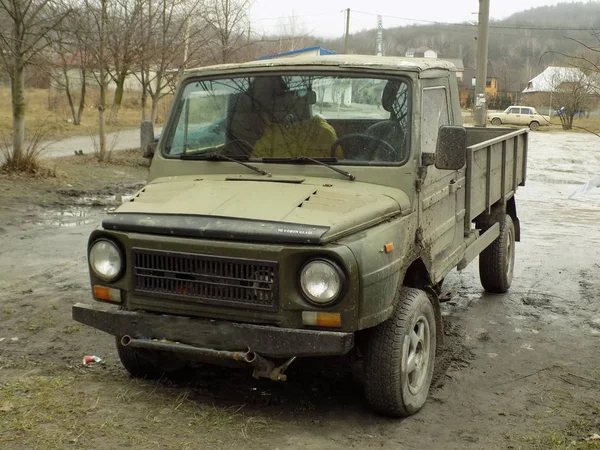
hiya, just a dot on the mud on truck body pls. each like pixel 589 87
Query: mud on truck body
pixel 307 207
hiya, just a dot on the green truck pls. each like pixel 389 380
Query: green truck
pixel 305 207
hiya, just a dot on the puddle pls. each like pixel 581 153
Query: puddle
pixel 102 200
pixel 66 217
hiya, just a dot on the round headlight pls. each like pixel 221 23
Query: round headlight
pixel 321 281
pixel 105 260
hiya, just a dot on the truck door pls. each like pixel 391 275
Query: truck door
pixel 441 222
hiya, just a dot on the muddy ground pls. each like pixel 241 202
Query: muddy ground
pixel 521 370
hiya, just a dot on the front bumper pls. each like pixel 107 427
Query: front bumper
pixel 267 341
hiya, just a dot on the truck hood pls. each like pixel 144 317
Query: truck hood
pixel 307 210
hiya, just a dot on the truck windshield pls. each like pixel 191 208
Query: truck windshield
pixel 274 118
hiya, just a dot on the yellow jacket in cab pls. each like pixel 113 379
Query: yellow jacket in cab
pixel 311 137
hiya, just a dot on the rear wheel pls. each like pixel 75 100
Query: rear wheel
pixel 496 121
pixel 148 364
pixel 534 126
pixel 496 262
pixel 400 357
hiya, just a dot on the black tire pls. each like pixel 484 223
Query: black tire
pixel 534 126
pixel 147 364
pixel 391 388
pixel 496 263
pixel 496 121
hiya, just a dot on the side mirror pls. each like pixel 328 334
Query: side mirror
pixel 147 140
pixel 451 150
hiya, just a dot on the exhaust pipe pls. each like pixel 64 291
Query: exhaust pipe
pixel 263 368
pixel 169 346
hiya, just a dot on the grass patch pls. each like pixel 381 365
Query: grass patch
pixel 53 412
pixel 49 107
pixel 37 323
pixel 573 437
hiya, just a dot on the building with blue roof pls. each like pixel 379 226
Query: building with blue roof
pixel 308 51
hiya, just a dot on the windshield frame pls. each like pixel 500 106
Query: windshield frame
pixel 341 72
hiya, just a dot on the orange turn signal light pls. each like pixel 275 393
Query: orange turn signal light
pixel 322 319
pixel 108 294
pixel 388 247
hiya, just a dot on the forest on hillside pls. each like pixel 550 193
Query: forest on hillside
pixel 520 47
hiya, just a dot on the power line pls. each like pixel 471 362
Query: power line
pixel 292 17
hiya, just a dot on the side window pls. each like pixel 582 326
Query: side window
pixel 526 111
pixel 434 114
pixel 514 111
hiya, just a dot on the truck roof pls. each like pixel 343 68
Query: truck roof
pixel 354 61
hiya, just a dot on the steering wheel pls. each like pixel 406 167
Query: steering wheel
pixel 384 125
pixel 361 137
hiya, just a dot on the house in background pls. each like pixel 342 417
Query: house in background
pixel 421 52
pixel 71 70
pixel 466 87
pixel 539 90
pixel 460 67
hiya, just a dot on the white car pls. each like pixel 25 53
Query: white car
pixel 519 115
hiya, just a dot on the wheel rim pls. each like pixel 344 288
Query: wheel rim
pixel 416 358
pixel 510 255
pixel 534 126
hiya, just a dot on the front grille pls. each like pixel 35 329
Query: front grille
pixel 206 279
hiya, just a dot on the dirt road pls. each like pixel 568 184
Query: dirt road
pixel 118 140
pixel 522 369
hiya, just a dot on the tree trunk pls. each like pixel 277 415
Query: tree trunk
pixel 77 120
pixel 68 93
pixel 114 111
pixel 154 109
pixel 101 133
pixel 144 104
pixel 101 118
pixel 103 84
pixel 18 110
pixel 156 97
pixel 144 99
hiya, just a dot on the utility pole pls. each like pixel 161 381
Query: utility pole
pixel 379 36
pixel 482 62
pixel 347 31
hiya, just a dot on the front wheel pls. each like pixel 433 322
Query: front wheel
pixel 534 126
pixel 496 121
pixel 496 262
pixel 141 363
pixel 400 356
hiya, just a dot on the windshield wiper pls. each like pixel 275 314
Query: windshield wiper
pixel 220 157
pixel 320 161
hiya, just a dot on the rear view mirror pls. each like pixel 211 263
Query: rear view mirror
pixel 147 140
pixel 451 150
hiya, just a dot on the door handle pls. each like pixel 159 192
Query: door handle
pixel 455 185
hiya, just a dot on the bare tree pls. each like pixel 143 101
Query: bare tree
pixel 123 46
pixel 292 34
pixel 572 93
pixel 97 13
pixel 70 62
pixel 25 33
pixel 229 20
pixel 174 34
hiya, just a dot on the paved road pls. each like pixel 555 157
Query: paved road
pixel 122 140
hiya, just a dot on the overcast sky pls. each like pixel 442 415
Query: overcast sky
pixel 325 17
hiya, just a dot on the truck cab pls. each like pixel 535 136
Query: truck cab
pixel 307 207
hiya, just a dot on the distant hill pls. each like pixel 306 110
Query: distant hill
pixel 518 49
